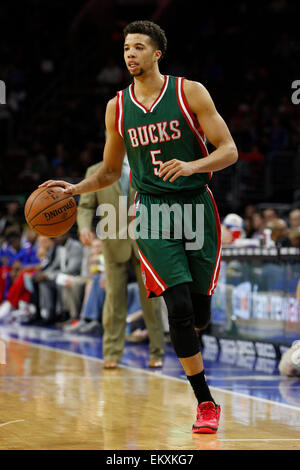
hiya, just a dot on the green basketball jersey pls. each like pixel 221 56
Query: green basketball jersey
pixel 166 131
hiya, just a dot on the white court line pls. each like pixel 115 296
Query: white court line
pixel 10 422
pixel 245 440
pixel 155 374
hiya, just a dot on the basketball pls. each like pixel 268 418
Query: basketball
pixel 50 211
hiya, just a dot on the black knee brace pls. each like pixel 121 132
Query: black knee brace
pixel 202 310
pixel 181 320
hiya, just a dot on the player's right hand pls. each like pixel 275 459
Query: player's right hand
pixel 86 236
pixel 67 187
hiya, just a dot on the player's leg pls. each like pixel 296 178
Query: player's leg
pixel 186 345
pixel 183 336
pixel 166 271
pixel 204 264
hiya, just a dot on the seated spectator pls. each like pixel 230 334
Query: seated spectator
pixel 21 266
pixel 11 218
pixel 91 315
pixel 14 258
pixel 294 237
pixel 254 156
pixel 279 232
pixel 111 74
pixel 257 223
pixel 269 215
pixel 76 289
pixel 289 364
pixel 249 211
pixel 294 219
pixel 30 236
pixel 68 260
pixel 255 160
pixel 232 228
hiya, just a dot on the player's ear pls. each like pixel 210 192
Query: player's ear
pixel 157 55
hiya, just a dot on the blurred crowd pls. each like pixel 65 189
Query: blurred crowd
pixel 60 77
pixel 257 227
pixel 60 281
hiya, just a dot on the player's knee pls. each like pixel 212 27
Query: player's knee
pixel 180 313
pixel 202 310
pixel 202 322
pixel 181 321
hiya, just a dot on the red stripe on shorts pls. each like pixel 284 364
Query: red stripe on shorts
pixel 215 275
pixel 152 280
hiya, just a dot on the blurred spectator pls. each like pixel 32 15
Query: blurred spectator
pixel 294 237
pixel 29 176
pixel 255 159
pixel 60 157
pixel 249 210
pixel 111 74
pixel 257 223
pixel 84 161
pixel 14 257
pixel 232 228
pixel 294 219
pixel 248 227
pixel 269 215
pixel 91 314
pixel 21 262
pixel 213 71
pixel 279 232
pixel 68 260
pixel 29 236
pixel 278 135
pixel 289 364
pixel 74 299
pixel 11 217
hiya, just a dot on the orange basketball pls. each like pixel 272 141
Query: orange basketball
pixel 50 211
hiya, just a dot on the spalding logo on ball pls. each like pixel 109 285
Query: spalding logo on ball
pixel 50 211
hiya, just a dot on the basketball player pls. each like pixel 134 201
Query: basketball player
pixel 161 123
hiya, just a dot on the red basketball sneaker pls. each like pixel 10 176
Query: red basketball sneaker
pixel 208 416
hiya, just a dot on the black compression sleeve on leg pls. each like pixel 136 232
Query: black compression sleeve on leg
pixel 202 310
pixel 181 321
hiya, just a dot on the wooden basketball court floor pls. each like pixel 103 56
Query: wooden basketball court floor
pixel 55 395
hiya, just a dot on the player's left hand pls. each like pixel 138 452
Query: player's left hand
pixel 175 168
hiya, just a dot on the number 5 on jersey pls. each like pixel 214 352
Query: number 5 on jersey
pixel 156 162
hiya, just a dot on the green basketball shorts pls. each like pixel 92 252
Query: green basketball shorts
pixel 179 241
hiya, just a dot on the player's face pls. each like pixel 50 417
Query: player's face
pixel 139 54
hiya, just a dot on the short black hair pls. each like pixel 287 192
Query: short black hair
pixel 155 32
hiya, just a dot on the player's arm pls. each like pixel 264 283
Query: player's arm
pixel 85 213
pixel 110 170
pixel 215 130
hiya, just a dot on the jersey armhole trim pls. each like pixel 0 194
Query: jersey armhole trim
pixel 119 113
pixel 190 118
